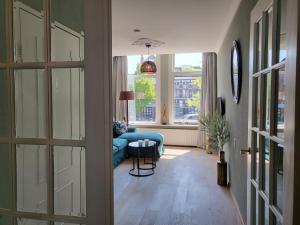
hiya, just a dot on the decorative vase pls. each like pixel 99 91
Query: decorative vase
pixel 164 117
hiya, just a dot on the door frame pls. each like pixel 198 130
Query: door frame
pixel 292 136
pixel 98 101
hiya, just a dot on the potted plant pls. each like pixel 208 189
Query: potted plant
pixel 217 130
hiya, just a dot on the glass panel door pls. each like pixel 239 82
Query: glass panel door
pixel 268 35
pixel 42 119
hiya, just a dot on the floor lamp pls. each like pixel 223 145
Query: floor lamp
pixel 126 96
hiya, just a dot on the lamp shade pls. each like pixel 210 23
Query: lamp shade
pixel 126 95
pixel 148 67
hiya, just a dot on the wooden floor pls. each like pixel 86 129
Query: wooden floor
pixel 183 191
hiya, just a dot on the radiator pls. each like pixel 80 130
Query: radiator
pixel 180 137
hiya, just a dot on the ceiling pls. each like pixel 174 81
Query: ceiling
pixel 184 25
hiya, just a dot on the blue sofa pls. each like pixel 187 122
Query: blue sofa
pixel 120 143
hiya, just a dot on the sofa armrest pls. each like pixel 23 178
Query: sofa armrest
pixel 131 129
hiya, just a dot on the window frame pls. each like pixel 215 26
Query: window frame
pixel 172 74
pixel 157 91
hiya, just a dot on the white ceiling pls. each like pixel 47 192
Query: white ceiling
pixel 184 25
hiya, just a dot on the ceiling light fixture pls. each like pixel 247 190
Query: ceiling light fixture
pixel 148 67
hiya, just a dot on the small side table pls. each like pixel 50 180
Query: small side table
pixel 136 152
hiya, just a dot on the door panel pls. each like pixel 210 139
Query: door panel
pixel 4 177
pixel 31 103
pixel 266 123
pixel 28 33
pixel 42 108
pixel 4 104
pixel 32 177
pixel 68 181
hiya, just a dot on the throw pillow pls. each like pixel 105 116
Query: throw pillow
pixel 119 128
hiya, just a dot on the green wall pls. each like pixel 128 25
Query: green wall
pixel 237 114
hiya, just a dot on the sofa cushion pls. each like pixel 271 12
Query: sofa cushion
pixel 141 136
pixel 120 143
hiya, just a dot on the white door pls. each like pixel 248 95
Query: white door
pixel 46 88
pixel 267 105
pixel 48 121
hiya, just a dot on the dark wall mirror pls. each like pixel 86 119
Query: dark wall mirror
pixel 236 71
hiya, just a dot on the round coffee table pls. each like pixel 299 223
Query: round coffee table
pixel 136 152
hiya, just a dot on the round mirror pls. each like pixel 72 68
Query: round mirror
pixel 236 71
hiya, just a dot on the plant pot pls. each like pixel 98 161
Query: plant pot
pixel 222 156
pixel 222 169
pixel 222 173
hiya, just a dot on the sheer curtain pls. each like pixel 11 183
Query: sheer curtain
pixel 208 91
pixel 119 83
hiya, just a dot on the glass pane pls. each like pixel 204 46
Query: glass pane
pixel 28 31
pixel 68 103
pixel 4 104
pixel 69 181
pixel 3 21
pixel 277 222
pixel 257 207
pixel 187 99
pixel 278 175
pixel 269 44
pixel 32 176
pixel 266 214
pixel 22 221
pixel 4 177
pixel 267 102
pixel 257 100
pixel 5 220
pixel 255 160
pixel 266 164
pixel 143 108
pixel 259 46
pixel 282 37
pixel 253 205
pixel 67 30
pixel 188 62
pixel 31 103
pixel 280 76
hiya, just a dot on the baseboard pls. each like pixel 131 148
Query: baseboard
pixel 236 206
pixel 188 146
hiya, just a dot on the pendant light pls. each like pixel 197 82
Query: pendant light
pixel 148 67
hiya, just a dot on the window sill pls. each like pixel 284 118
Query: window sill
pixel 169 126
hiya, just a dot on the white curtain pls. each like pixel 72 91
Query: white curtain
pixel 208 90
pixel 119 81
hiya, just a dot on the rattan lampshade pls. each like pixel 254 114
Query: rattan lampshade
pixel 126 95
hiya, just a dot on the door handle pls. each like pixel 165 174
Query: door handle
pixel 245 151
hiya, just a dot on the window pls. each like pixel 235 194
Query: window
pixel 187 79
pixel 143 108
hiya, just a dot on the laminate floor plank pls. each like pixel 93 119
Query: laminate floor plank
pixel 182 191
